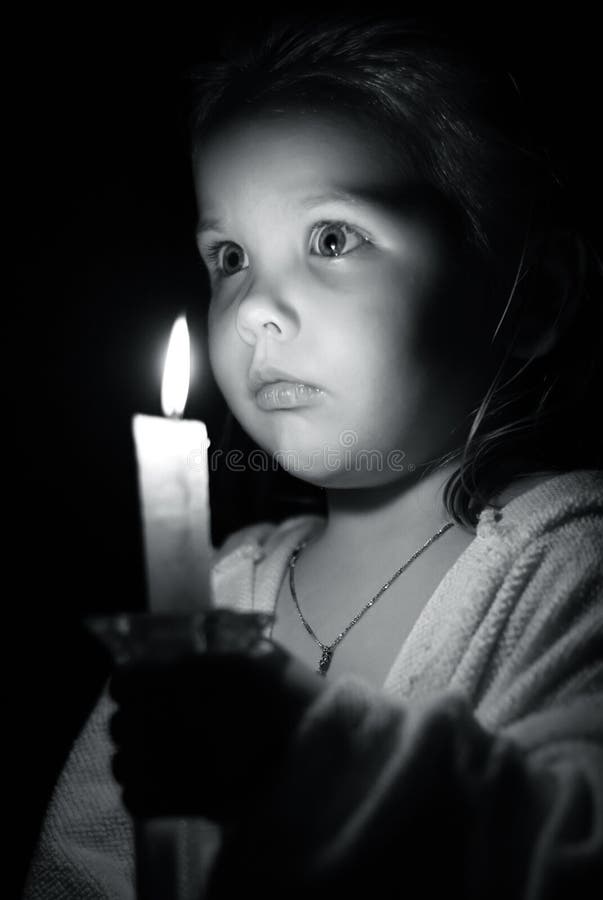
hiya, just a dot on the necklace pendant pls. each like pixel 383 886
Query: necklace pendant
pixel 325 661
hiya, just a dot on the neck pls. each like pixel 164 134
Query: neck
pixel 412 508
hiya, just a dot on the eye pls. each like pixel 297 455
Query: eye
pixel 226 263
pixel 334 238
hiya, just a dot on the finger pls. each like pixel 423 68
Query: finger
pixel 137 772
pixel 157 785
pixel 160 682
pixel 118 768
pixel 133 680
pixel 118 727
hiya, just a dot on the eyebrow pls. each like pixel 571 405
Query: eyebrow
pixel 383 197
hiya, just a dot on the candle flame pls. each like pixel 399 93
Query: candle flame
pixel 176 371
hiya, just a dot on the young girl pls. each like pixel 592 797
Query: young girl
pixel 405 314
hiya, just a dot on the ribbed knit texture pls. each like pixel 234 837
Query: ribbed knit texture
pixel 501 675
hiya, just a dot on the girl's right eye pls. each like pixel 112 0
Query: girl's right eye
pixel 225 264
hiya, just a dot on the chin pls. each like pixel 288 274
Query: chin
pixel 313 470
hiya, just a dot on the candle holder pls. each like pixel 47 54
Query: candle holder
pixel 168 864
pixel 161 637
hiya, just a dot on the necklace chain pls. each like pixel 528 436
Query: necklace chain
pixel 329 649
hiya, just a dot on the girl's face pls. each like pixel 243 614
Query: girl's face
pixel 329 269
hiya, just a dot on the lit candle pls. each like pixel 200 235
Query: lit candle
pixel 174 491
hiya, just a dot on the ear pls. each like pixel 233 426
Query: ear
pixel 550 292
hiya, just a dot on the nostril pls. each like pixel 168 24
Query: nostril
pixel 272 326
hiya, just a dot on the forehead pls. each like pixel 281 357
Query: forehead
pixel 286 155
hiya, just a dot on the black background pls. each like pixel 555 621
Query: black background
pixel 105 259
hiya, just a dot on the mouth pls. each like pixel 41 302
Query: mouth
pixel 278 389
pixel 287 395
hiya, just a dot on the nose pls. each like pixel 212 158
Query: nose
pixel 258 316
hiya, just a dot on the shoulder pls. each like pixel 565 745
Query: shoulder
pixel 550 542
pixel 568 505
pixel 547 607
pixel 545 542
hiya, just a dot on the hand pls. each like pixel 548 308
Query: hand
pixel 203 735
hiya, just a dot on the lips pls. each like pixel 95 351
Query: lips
pixel 278 389
pixel 264 375
pixel 287 395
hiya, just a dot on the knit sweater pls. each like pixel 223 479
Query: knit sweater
pixel 477 768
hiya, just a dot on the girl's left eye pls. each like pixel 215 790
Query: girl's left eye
pixel 331 238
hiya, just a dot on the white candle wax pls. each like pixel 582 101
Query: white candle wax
pixel 174 492
pixel 173 482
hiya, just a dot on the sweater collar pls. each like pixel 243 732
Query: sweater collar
pixel 547 504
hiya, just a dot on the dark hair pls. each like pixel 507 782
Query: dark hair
pixel 467 134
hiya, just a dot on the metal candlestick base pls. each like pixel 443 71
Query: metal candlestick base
pixel 165 869
pixel 160 637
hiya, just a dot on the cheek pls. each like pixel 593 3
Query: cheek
pixel 220 347
pixel 383 323
pixel 214 342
